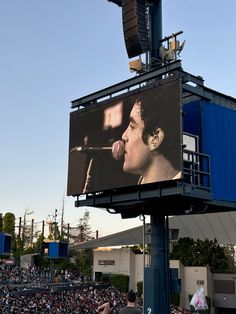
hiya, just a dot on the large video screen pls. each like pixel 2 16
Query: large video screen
pixel 131 140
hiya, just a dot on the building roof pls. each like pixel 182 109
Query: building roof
pixel 221 226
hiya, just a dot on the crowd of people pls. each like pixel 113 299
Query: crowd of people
pixel 74 300
pixel 12 275
pixel 82 298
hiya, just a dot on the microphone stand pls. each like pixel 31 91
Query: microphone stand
pixel 87 184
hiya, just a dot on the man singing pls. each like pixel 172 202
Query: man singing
pixel 151 139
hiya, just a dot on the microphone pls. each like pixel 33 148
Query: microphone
pixel 117 149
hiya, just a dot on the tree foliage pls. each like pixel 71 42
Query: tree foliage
pixel 86 261
pixel 9 227
pixel 84 227
pixel 120 281
pixel 9 223
pixel 138 248
pixel 202 253
pixel 85 255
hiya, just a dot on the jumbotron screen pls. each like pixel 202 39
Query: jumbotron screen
pixel 129 140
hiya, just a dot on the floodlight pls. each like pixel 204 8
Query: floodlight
pixel 174 45
pixel 136 66
pixel 166 55
pixel 174 48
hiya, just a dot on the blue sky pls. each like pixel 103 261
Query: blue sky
pixel 53 52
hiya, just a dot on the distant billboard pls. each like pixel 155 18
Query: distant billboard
pixel 128 140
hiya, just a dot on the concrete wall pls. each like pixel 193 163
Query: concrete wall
pixel 121 258
pixel 27 260
pixel 124 261
pixel 132 278
pixel 115 261
pixel 194 277
pixel 138 269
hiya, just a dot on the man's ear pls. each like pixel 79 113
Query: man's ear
pixel 156 139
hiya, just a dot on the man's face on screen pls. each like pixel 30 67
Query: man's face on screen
pixel 137 157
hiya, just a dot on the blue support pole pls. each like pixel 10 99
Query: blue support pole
pixel 158 302
pixel 160 261
pixel 157 287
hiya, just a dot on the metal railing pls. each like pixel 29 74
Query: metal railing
pixel 196 169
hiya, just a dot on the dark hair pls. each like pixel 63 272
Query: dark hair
pixel 131 297
pixel 158 109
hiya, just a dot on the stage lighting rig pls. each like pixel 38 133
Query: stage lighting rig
pixel 173 48
pixel 137 66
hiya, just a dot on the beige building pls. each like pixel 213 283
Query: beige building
pixel 221 288
pixel 124 261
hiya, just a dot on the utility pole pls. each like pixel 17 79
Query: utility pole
pixel 19 228
pixel 68 233
pixel 62 214
pixel 43 225
pixel 31 232
pixel 55 224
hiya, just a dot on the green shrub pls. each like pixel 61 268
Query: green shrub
pixel 175 299
pixel 139 288
pixel 121 282
pixel 106 278
pixel 98 276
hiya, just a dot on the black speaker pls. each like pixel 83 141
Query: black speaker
pixel 54 249
pixel 135 27
pixel 5 243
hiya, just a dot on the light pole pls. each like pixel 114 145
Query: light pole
pixel 55 225
pixel 52 263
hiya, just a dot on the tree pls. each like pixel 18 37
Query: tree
pixel 9 223
pixel 84 227
pixel 85 255
pixel 86 261
pixel 183 251
pixel 138 248
pixel 202 253
pixel 26 230
pixel 38 244
pixel 9 227
pixel 230 253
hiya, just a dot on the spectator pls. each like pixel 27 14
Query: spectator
pixel 131 305
pixel 105 308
